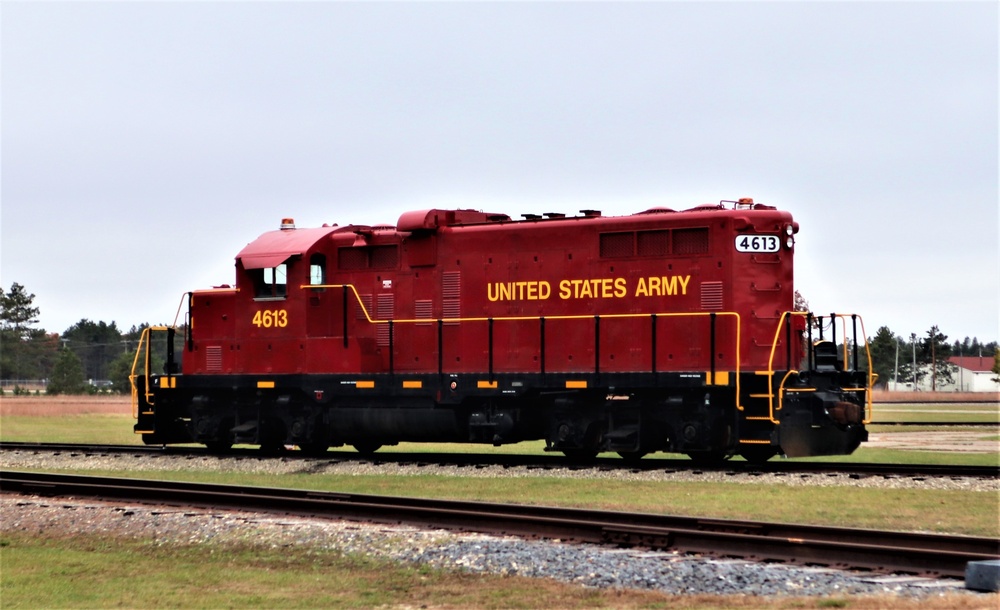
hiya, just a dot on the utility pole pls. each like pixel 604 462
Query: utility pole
pixel 913 343
pixel 895 371
pixel 961 370
pixel 933 363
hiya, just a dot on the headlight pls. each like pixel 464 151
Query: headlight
pixel 789 242
pixel 788 231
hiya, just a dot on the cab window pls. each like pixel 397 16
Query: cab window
pixel 270 282
pixel 317 270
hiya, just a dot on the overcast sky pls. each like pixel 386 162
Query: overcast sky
pixel 144 144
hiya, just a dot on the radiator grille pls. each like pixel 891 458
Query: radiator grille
pixel 350 259
pixel 690 241
pixel 213 358
pixel 384 257
pixel 711 296
pixel 654 243
pixel 386 311
pixel 422 310
pixel 366 305
pixel 451 295
pixel 615 245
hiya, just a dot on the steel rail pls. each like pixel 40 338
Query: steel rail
pixel 650 464
pixel 924 554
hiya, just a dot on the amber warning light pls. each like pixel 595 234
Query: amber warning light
pixel 287 223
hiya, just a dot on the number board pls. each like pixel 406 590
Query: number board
pixel 268 318
pixel 757 243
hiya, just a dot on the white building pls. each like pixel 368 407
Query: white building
pixel 973 374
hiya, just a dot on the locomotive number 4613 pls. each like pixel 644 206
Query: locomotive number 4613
pixel 757 243
pixel 268 318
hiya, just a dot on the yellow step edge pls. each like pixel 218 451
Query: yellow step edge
pixel 721 378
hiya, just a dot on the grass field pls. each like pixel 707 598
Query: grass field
pixel 94 572
pixel 45 570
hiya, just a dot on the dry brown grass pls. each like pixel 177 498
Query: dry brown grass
pixel 39 406
pixel 884 396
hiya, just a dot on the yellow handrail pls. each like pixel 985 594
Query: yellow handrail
pixel 145 340
pixel 872 377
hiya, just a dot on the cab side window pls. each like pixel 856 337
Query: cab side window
pixel 317 270
pixel 270 282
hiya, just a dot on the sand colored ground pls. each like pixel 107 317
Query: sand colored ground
pixel 65 405
pixel 883 397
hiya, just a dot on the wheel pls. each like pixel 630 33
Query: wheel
pixel 367 448
pixel 632 456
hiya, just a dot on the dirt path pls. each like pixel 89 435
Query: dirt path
pixel 953 442
pixel 65 405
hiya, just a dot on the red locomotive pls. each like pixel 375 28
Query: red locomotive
pixel 660 331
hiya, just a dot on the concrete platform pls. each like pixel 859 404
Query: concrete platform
pixel 983 575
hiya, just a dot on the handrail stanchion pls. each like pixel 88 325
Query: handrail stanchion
pixel 440 347
pixel 833 331
pixel 711 342
pixel 788 341
pixel 541 347
pixel 652 318
pixel 345 316
pixel 392 355
pixel 809 329
pixel 491 348
pixel 854 324
pixel 597 346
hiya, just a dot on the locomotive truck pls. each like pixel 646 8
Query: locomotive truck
pixel 663 330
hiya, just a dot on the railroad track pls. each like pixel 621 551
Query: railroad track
pixel 544 461
pixel 894 552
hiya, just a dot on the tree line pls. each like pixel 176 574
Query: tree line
pixel 87 355
pixel 924 360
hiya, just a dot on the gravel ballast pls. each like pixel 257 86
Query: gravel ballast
pixel 15 459
pixel 590 566
pixel 585 565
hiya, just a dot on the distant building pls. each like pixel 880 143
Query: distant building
pixel 974 374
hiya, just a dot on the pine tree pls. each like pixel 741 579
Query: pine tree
pixel 884 348
pixel 67 376
pixel 25 352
